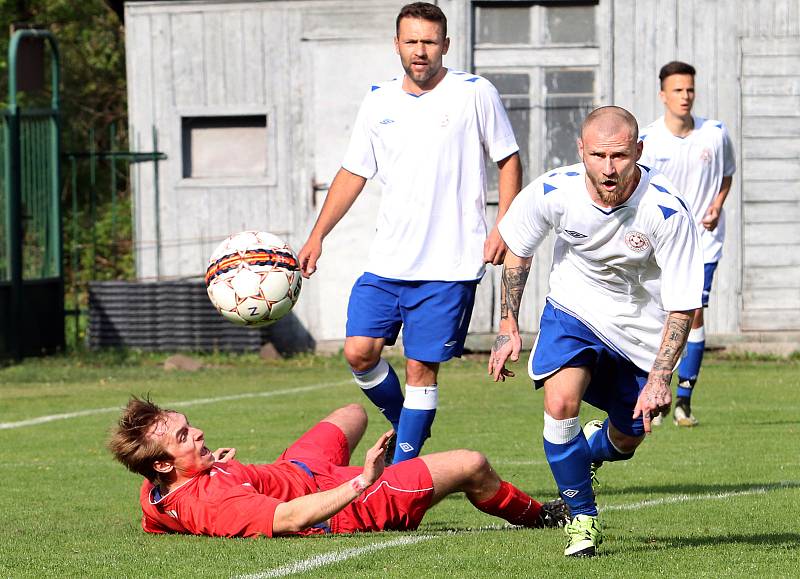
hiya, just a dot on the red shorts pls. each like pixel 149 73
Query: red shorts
pixel 396 501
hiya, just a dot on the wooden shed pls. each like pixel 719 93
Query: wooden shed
pixel 253 103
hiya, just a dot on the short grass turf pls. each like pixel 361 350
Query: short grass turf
pixel 719 500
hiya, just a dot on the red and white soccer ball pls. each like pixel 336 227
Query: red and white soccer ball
pixel 253 278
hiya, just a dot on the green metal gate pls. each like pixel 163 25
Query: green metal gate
pixel 31 271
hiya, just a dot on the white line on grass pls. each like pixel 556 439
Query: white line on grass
pixel 335 556
pixel 196 402
pixel 685 498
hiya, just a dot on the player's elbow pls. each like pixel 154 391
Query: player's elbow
pixel 289 520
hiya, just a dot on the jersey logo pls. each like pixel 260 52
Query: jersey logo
pixel 387 121
pixel 173 514
pixel 636 241
pixel 662 159
pixel 575 234
pixel 450 344
pixel 548 187
pixel 705 156
pixel 445 121
pixel 570 493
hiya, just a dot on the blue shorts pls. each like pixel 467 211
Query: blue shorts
pixel 708 277
pixel 566 342
pixel 434 315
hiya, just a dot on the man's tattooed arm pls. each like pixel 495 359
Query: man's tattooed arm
pixel 676 332
pixel 511 287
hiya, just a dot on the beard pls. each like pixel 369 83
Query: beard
pixel 423 76
pixel 623 187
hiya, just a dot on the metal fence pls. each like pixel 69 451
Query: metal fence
pixel 31 275
pixel 98 219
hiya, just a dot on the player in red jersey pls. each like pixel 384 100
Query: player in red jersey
pixel 310 488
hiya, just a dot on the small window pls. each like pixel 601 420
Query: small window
pixel 502 25
pixel 216 147
pixel 570 24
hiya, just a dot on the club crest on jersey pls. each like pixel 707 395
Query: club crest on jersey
pixel 637 241
pixel 705 156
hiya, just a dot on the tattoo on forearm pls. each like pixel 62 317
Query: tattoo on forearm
pixel 511 288
pixel 676 332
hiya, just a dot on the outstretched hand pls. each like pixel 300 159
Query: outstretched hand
pixel 506 347
pixel 374 461
pixel 655 398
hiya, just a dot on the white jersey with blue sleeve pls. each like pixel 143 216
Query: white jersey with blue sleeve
pixel 619 270
pixel 695 164
pixel 429 154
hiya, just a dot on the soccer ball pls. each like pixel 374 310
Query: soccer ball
pixel 253 278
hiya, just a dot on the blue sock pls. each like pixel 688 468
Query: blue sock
pixel 382 387
pixel 419 410
pixel 689 368
pixel 568 454
pixel 602 449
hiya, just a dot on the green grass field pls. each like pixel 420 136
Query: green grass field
pixel 720 500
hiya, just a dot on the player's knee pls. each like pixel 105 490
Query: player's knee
pixel 474 464
pixel 623 442
pixel 350 413
pixel 361 359
pixel 563 407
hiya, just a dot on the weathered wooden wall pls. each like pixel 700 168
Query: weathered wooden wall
pixel 747 63
pixel 306 65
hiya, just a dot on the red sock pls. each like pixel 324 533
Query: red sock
pixel 513 505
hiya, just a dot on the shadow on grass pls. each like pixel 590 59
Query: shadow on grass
pixel 788 540
pixel 655 543
pixel 662 491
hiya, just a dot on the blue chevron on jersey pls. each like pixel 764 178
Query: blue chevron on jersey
pixel 548 187
pixel 667 211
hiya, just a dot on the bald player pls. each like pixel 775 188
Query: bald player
pixel 627 275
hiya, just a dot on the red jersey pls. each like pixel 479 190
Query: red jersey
pixel 229 500
pixel 232 499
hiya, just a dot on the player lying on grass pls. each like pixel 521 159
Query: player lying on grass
pixel 310 489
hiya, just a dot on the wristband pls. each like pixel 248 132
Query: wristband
pixel 359 484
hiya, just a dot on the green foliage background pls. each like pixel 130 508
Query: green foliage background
pixel 91 40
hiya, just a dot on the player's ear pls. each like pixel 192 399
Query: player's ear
pixel 163 466
pixel 579 142
pixel 446 45
pixel 396 45
pixel 639 149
